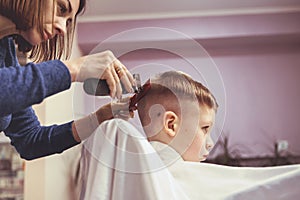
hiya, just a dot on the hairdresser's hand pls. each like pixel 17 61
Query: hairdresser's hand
pixel 105 66
pixel 119 109
pixel 84 127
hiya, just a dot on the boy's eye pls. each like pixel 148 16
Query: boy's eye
pixel 205 129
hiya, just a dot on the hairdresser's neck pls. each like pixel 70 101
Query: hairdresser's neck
pixel 7 27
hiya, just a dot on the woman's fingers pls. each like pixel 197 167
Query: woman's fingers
pixel 120 109
pixel 120 75
pixel 104 65
pixel 117 86
pixel 124 75
pixel 110 80
pixel 128 75
pixel 113 81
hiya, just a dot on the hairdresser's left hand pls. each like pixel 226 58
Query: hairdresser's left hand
pixel 112 110
pixel 103 65
pixel 84 127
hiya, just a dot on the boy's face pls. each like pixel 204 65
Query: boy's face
pixel 195 133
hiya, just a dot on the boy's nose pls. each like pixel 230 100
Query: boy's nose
pixel 209 143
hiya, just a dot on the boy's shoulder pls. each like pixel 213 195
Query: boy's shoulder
pixel 121 125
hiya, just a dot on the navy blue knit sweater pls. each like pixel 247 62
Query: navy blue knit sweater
pixel 22 87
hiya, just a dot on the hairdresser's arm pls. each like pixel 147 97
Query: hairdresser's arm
pixel 85 126
pixel 32 140
pixel 103 65
pixel 24 86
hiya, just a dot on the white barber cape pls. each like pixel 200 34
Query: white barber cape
pixel 119 163
pixel 210 181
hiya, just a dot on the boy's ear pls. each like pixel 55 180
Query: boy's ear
pixel 170 123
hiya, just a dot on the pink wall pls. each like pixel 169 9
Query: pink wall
pixel 259 61
pixel 263 99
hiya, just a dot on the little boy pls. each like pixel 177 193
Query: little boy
pixel 117 162
pixel 180 112
pixel 177 114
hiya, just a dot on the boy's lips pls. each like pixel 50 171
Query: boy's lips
pixel 203 157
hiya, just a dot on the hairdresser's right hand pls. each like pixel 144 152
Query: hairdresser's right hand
pixel 103 65
pixel 84 127
pixel 115 109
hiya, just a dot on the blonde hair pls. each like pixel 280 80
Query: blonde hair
pixel 168 87
pixel 27 13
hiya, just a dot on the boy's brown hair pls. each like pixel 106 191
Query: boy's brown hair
pixel 169 89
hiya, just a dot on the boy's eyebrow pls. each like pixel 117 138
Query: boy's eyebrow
pixel 207 122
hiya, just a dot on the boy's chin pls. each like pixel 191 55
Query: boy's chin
pixel 194 159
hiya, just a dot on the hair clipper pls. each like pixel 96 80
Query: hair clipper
pixel 98 87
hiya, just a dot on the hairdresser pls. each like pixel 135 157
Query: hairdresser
pixel 44 30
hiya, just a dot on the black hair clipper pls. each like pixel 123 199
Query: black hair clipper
pixel 98 87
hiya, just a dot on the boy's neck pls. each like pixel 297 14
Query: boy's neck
pixel 166 153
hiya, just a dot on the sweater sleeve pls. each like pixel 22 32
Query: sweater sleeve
pixel 32 140
pixel 22 87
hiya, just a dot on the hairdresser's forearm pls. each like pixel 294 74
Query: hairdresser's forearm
pixel 33 141
pixel 74 67
pixel 24 86
pixel 84 127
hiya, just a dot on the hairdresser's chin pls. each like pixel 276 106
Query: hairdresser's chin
pixel 33 37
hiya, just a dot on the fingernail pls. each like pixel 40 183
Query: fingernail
pixel 134 83
pixel 112 95
pixel 119 96
pixel 131 90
